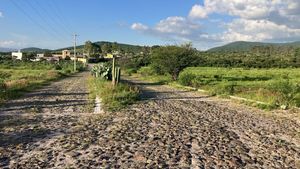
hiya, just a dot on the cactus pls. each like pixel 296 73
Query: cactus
pixel 107 71
pixel 102 70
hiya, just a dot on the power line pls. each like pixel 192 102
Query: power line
pixel 55 19
pixel 30 18
pixel 58 13
pixel 46 22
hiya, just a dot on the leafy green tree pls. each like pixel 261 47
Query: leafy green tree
pixel 115 47
pixel 106 48
pixel 91 48
pixel 88 48
pixel 28 56
pixel 173 59
pixel 47 54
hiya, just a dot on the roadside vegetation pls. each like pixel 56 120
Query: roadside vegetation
pixel 18 77
pixel 113 98
pixel 277 87
pixel 265 74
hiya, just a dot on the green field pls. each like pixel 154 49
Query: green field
pixel 276 87
pixel 18 77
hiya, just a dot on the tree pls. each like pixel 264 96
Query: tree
pixel 47 54
pixel 91 49
pixel 88 48
pixel 28 56
pixel 115 47
pixel 173 59
pixel 106 48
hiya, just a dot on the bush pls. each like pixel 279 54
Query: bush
pixel 146 71
pixel 173 59
pixel 186 78
pixel 288 93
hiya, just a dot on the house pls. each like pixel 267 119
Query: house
pixel 38 57
pixel 17 55
pixel 66 53
pixel 109 55
pixel 80 58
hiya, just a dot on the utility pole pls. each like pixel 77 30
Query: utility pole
pixel 75 58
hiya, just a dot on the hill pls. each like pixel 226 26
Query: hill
pixel 7 49
pixel 34 49
pixel 122 46
pixel 243 46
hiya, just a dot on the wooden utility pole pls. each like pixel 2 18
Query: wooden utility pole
pixel 113 71
pixel 75 58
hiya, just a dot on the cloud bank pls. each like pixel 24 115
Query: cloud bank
pixel 251 20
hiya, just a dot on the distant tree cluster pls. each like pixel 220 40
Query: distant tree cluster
pixel 258 57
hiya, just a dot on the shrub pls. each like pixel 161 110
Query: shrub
pixel 146 71
pixel 173 59
pixel 288 93
pixel 186 78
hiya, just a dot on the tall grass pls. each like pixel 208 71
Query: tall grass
pixel 18 77
pixel 274 86
pixel 112 98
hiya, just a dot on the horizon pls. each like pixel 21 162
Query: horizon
pixel 205 23
pixel 273 43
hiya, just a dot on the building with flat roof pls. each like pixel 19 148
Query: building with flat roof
pixel 17 55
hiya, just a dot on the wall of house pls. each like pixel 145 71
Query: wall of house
pixel 17 55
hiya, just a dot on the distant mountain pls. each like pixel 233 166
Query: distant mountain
pixel 241 46
pixel 7 49
pixel 34 49
pixel 125 47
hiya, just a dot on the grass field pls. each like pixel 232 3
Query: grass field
pixel 18 77
pixel 276 87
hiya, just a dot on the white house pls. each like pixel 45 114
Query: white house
pixel 17 55
pixel 39 56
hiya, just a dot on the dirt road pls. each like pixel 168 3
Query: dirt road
pixel 168 128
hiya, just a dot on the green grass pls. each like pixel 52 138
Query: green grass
pixel 17 77
pixel 274 86
pixel 147 74
pixel 112 98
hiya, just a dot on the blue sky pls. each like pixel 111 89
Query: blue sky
pixel 208 23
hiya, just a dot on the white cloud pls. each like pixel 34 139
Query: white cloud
pixel 199 11
pixel 139 27
pixel 1 14
pixel 7 43
pixel 177 25
pixel 252 20
pixel 249 9
pixel 278 11
pixel 172 29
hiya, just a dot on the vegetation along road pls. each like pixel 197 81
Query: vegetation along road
pixel 169 128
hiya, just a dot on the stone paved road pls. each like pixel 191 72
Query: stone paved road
pixel 169 128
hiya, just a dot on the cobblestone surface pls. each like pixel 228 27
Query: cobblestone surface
pixel 169 128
